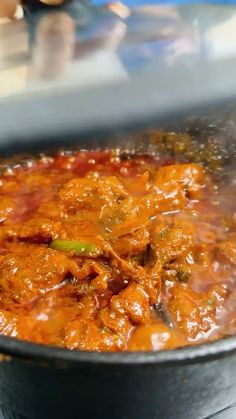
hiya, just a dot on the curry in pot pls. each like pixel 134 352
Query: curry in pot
pixel 112 251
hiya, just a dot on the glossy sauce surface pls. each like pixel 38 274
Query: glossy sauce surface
pixel 112 252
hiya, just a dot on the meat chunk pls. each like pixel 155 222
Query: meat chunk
pixel 127 216
pixel 38 230
pixel 190 177
pixel 28 271
pixel 133 243
pixel 196 314
pixel 155 337
pixel 170 242
pixel 134 302
pixel 82 335
pixel 174 185
pixel 92 193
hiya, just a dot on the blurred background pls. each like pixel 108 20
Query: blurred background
pixel 56 43
pixel 69 64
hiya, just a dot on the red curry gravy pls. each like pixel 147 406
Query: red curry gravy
pixel 104 251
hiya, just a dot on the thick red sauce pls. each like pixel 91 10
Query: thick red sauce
pixel 159 267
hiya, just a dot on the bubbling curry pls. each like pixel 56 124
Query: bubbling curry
pixel 116 251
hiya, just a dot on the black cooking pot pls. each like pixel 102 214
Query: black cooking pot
pixel 42 382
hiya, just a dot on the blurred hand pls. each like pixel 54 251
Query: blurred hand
pixel 54 50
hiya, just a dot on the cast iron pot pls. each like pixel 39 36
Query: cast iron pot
pixel 39 382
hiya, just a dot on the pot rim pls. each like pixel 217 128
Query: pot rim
pixel 38 352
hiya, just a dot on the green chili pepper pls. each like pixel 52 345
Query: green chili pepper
pixel 79 248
